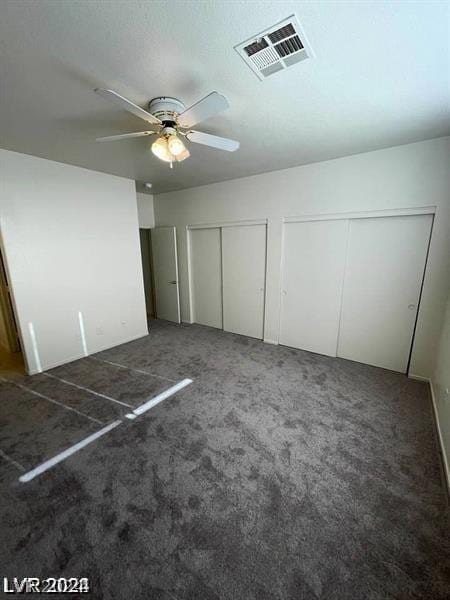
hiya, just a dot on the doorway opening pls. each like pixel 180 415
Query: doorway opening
pixel 11 357
pixel 147 269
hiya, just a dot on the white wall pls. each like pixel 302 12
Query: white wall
pixel 441 388
pixel 71 241
pixel 146 216
pixel 409 176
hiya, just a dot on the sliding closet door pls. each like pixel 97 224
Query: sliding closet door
pixel 206 276
pixel 244 273
pixel 385 267
pixel 313 271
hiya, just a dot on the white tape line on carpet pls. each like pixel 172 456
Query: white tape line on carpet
pixel 159 398
pixel 39 395
pixel 114 364
pixel 48 464
pixel 11 460
pixel 86 389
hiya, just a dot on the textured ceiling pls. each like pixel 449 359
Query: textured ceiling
pixel 380 77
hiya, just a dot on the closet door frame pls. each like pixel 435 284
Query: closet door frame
pixel 393 212
pixel 220 225
pixel 401 212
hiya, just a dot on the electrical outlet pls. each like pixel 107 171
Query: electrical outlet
pixel 124 323
pixel 99 331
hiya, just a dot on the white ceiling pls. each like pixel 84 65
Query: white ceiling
pixel 380 78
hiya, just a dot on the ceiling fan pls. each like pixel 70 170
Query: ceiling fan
pixel 171 121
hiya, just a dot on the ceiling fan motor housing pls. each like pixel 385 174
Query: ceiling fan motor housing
pixel 166 108
pixel 168 130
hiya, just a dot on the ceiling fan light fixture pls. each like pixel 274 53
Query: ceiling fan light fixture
pixel 182 155
pixel 175 145
pixel 170 148
pixel 160 149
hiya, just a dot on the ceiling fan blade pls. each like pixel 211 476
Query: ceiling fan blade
pixel 203 109
pixel 128 105
pixel 213 140
pixel 124 136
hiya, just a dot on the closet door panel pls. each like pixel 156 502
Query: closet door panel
pixel 385 267
pixel 206 276
pixel 244 273
pixel 313 271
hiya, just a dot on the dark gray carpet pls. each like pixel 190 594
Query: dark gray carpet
pixel 277 474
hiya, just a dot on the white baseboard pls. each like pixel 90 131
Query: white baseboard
pixel 273 342
pixel 58 363
pixel 70 359
pixel 419 378
pixel 441 439
pixel 438 426
pixel 119 343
